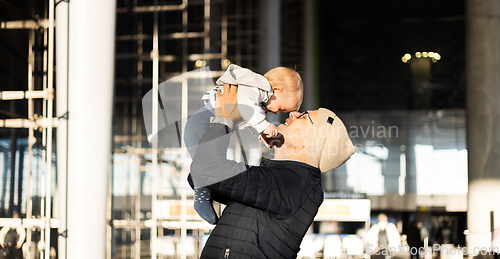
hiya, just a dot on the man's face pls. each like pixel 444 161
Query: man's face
pixel 295 133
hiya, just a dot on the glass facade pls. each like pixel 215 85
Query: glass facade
pixel 398 152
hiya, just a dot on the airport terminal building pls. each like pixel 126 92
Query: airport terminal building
pixel 87 85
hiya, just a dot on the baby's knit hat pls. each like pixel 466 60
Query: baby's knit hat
pixel 329 145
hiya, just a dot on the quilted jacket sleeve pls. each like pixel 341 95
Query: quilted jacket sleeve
pixel 274 190
pixel 277 191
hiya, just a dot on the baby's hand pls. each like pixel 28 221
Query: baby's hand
pixel 271 131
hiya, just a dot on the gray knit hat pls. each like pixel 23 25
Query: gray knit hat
pixel 329 145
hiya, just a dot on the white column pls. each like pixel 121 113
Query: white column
pixel 91 73
pixel 62 127
pixel 482 52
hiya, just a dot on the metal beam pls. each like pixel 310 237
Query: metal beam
pixel 175 35
pixel 162 58
pixel 153 8
pixel 18 95
pixel 27 223
pixel 25 123
pixel 24 24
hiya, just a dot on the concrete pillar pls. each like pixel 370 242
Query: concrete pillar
pixel 61 94
pixel 310 68
pixel 392 169
pixel 411 168
pixel 482 52
pixel 90 92
pixel 420 69
pixel 269 34
pixel 410 136
pixel 269 39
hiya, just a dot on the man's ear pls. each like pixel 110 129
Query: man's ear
pixel 277 89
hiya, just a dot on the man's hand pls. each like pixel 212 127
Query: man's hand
pixel 226 103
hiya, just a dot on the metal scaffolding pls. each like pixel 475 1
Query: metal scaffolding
pixel 154 218
pixel 164 49
pixel 42 120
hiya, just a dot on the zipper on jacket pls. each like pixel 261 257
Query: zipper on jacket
pixel 226 254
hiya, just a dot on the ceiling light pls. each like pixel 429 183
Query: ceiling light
pixel 200 63
pixel 434 56
pixel 225 63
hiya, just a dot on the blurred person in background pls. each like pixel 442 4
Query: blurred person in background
pixel 424 233
pixel 445 234
pixel 11 240
pixel 383 238
pixel 414 239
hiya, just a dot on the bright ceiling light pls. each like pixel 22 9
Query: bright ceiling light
pixel 200 63
pixel 434 56
pixel 225 63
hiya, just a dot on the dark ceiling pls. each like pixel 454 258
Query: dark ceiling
pixel 362 43
pixel 360 48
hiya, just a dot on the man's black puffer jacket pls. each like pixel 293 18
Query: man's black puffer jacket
pixel 269 207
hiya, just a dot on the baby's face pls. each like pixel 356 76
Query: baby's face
pixel 283 101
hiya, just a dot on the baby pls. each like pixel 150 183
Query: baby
pixel 280 89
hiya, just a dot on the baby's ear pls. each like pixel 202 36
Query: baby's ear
pixel 277 89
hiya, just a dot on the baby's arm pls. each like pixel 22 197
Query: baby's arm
pixel 249 99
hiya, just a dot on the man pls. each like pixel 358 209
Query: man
pixel 383 238
pixel 269 207
pixel 414 238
